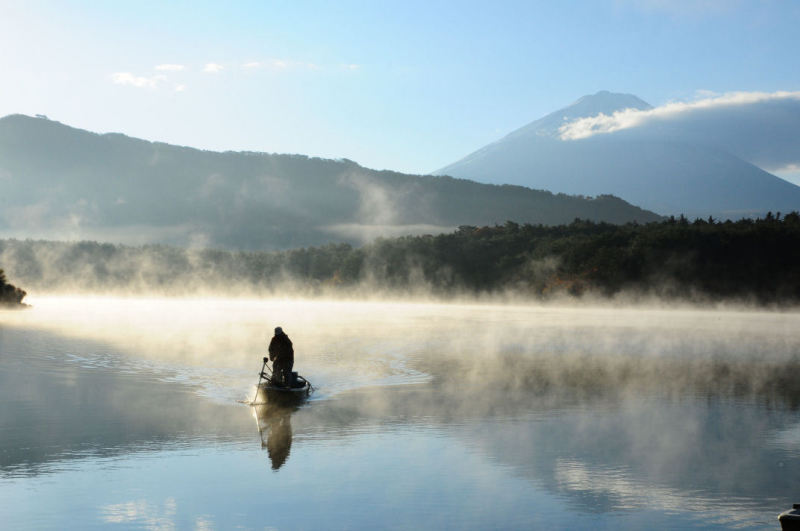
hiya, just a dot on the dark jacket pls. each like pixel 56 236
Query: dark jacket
pixel 281 351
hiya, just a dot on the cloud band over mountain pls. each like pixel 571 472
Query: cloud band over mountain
pixel 762 128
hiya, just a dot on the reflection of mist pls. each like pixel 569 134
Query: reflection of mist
pixel 582 481
pixel 696 456
pixel 142 513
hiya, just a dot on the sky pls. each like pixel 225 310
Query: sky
pixel 409 86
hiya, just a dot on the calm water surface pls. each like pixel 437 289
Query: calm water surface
pixel 128 414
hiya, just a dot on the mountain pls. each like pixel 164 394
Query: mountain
pixel 59 182
pixel 666 174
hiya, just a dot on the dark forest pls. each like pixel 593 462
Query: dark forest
pixel 751 259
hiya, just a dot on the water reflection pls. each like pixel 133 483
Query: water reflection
pixel 275 428
pixel 665 421
pixel 142 513
pixel 60 404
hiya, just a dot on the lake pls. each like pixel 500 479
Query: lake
pixel 133 414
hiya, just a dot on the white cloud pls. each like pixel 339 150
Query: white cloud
pixel 180 88
pixel 127 78
pixel 170 68
pixel 628 118
pixel 281 64
pixel 351 67
pixel 790 168
pixel 790 172
pixel 213 68
pixel 760 127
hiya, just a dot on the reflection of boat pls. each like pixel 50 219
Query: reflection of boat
pixel 275 428
pixel 790 520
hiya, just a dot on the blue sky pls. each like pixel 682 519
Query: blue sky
pixel 410 86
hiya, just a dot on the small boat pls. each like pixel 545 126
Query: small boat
pixel 300 386
pixel 790 520
pixel 298 389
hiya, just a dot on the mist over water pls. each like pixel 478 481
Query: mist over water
pixel 465 415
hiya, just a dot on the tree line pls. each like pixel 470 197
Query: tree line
pixel 9 294
pixel 754 259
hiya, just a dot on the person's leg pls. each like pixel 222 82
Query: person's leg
pixel 277 373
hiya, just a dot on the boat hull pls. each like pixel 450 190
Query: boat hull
pixel 790 520
pixel 283 395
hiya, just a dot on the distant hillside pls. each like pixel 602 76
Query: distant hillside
pixel 668 174
pixel 59 182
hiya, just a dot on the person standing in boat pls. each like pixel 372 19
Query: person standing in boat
pixel 281 354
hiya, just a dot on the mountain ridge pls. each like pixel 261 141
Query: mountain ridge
pixel 67 183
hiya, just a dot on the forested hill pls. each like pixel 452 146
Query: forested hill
pixel 59 182
pixel 751 260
